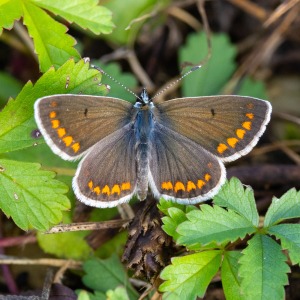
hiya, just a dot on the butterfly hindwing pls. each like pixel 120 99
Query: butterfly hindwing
pixel 106 176
pixel 71 124
pixel 181 170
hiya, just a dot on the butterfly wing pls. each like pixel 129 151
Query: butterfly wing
pixel 182 170
pixel 226 126
pixel 71 124
pixel 106 176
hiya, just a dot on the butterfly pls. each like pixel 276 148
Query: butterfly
pixel 177 148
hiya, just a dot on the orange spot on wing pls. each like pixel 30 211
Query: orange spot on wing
pixel 247 125
pixel 76 147
pixel 53 104
pixel 55 124
pixel 232 142
pixel 190 186
pixel 91 184
pixel 61 132
pixel 207 177
pixel 179 186
pixel 200 183
pixel 116 189
pixel 125 186
pixel 52 114
pixel 250 116
pixel 97 190
pixel 167 185
pixel 221 148
pixel 240 133
pixel 68 140
pixel 106 190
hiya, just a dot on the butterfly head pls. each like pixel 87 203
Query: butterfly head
pixel 143 101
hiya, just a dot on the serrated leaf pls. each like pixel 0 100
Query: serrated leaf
pixel 86 13
pixel 164 206
pixel 16 119
pixel 117 294
pixel 263 269
pixel 289 235
pixel 188 276
pixel 10 10
pixel 52 45
pixel 287 207
pixel 105 274
pixel 30 196
pixel 210 79
pixel 234 196
pixel 213 224
pixel 231 281
pixel 176 217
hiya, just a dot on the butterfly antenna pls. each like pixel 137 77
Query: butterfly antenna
pixel 194 67
pixel 115 81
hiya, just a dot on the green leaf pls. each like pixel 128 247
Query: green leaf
pixel 31 197
pixel 117 294
pixel 106 274
pixel 176 217
pixel 287 207
pixel 231 281
pixel 263 269
pixel 233 196
pixel 164 206
pixel 16 119
pixel 52 45
pixel 85 13
pixel 10 87
pixel 213 224
pixel 62 244
pixel 134 10
pixel 210 79
pixel 189 276
pixel 10 10
pixel 253 88
pixel 289 235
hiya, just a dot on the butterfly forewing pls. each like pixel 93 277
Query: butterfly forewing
pixel 71 124
pixel 226 126
pixel 106 176
pixel 180 169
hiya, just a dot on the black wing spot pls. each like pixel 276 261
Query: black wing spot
pixel 212 112
pixel 85 112
pixel 35 134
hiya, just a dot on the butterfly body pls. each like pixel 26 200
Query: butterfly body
pixel 143 126
pixel 176 147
